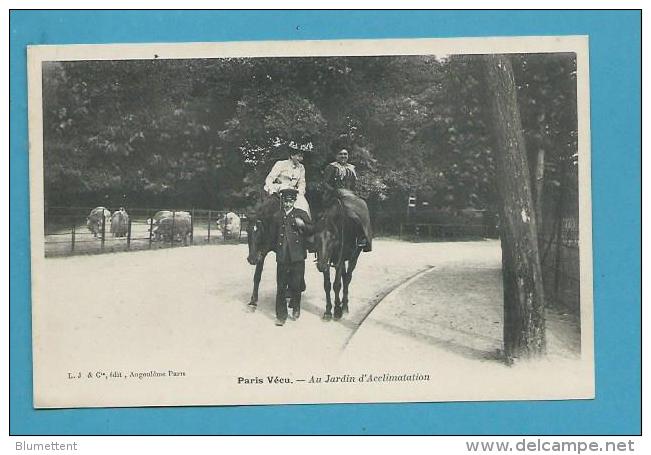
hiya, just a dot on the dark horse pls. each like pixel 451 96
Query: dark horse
pixel 258 238
pixel 336 246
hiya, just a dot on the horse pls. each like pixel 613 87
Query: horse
pixel 259 241
pixel 336 246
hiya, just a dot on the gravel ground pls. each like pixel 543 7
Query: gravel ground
pixel 59 242
pixel 186 309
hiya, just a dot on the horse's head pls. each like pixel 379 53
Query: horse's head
pixel 326 238
pixel 255 237
pixel 258 228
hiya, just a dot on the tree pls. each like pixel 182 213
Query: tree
pixel 524 302
pixel 547 98
pixel 204 132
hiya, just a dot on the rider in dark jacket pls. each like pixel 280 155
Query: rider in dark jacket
pixel 340 174
pixel 340 179
pixel 289 227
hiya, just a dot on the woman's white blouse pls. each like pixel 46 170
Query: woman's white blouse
pixel 285 174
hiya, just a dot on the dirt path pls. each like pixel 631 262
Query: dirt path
pixel 186 309
pixel 458 297
pixel 456 308
pixel 198 296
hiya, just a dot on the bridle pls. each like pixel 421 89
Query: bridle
pixel 255 234
pixel 259 225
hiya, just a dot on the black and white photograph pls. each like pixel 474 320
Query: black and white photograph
pixel 311 222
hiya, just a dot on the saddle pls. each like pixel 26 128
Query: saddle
pixel 357 210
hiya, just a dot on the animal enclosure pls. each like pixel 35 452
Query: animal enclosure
pixel 66 232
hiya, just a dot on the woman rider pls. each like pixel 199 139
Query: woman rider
pixel 289 173
pixel 340 178
pixel 340 174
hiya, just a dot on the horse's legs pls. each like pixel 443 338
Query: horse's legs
pixel 348 276
pixel 337 288
pixel 256 281
pixel 326 287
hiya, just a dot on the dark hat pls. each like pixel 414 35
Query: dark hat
pixel 289 193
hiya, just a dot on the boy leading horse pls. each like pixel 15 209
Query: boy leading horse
pixel 289 228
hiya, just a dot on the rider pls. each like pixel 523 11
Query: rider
pixel 289 173
pixel 340 178
pixel 340 174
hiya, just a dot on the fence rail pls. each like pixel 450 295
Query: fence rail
pixel 66 232
pixel 430 231
pixel 560 261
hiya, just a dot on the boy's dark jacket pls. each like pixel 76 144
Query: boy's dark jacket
pixel 295 239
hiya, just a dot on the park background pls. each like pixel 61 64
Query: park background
pixel 385 417
pixel 201 135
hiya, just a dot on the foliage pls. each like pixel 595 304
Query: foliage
pixel 204 132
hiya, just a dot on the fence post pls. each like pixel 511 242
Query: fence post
pixel 103 230
pixel 173 233
pixel 400 232
pixel 192 228
pixel 72 245
pixel 151 228
pixel 559 232
pixel 224 229
pixel 129 234
pixel 209 226
pixel 558 261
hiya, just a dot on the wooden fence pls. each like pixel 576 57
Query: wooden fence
pixel 66 232
pixel 559 258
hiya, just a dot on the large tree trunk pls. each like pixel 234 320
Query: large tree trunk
pixel 524 317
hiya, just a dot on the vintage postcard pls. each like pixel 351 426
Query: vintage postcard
pixel 311 222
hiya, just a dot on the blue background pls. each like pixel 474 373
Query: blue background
pixel 616 187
